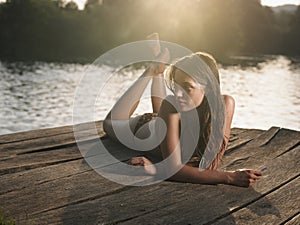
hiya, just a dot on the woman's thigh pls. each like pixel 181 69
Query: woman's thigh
pixel 138 126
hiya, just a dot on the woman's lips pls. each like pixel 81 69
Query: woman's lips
pixel 181 102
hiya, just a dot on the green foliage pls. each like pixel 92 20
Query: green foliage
pixel 51 30
pixel 4 220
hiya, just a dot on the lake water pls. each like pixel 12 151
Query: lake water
pixel 40 95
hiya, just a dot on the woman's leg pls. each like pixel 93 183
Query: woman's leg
pixel 126 105
pixel 120 114
pixel 158 92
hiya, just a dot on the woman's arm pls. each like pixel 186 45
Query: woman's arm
pixel 170 146
pixel 229 111
pixel 243 178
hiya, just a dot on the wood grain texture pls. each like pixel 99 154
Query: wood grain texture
pixel 47 132
pixel 185 199
pixel 275 208
pixel 45 180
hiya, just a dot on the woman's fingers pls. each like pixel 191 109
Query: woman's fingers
pixel 246 177
pixel 257 172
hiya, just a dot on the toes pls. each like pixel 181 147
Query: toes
pixel 137 161
pixel 147 164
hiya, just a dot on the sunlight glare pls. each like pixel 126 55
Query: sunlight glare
pixel 279 2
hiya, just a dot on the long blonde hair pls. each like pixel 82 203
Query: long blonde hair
pixel 212 106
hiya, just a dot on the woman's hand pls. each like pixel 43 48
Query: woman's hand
pixel 244 177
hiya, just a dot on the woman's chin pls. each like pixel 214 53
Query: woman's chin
pixel 186 107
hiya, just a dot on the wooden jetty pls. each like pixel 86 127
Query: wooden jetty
pixel 45 180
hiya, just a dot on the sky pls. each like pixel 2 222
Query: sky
pixel 80 3
pixel 279 2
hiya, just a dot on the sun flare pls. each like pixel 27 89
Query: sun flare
pixel 279 2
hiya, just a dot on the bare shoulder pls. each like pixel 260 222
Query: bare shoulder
pixel 228 100
pixel 168 105
pixel 229 103
pixel 171 99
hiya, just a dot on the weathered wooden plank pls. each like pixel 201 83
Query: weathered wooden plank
pixel 238 130
pixel 52 156
pixel 47 132
pixel 295 220
pixel 49 195
pixel 241 137
pixel 10 152
pixel 67 203
pixel 189 203
pixel 38 159
pixel 10 149
pixel 104 209
pixel 19 180
pixel 23 162
pixel 57 193
pixel 53 137
pixel 33 134
pixel 275 208
pixel 60 139
pixel 265 137
pixel 283 141
pixel 47 158
pixel 29 178
pixel 205 206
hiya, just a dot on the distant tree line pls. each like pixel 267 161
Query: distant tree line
pixel 53 30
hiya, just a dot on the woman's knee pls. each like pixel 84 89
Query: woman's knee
pixel 123 127
pixel 107 126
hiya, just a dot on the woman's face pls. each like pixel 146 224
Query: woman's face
pixel 188 92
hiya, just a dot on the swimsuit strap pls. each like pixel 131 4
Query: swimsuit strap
pixel 145 118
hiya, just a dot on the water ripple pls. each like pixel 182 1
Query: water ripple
pixel 40 95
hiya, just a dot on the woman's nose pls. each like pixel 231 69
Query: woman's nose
pixel 178 92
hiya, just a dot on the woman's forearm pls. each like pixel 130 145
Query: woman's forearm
pixel 194 175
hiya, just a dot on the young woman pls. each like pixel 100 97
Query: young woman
pixel 193 91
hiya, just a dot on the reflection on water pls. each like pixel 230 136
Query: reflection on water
pixel 41 95
pixel 266 95
pixel 36 96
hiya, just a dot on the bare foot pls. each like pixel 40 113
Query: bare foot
pixel 158 67
pixel 146 163
pixel 154 44
pixel 161 56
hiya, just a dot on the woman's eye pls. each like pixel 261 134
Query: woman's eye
pixel 187 88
